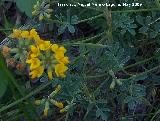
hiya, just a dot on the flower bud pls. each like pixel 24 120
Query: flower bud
pixel 10 62
pixel 56 103
pixel 64 109
pixel 58 88
pixel 112 86
pixel 5 51
pixel 46 108
pixel 118 82
pixel 20 66
pixel 41 17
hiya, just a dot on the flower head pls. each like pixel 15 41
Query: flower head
pixel 50 57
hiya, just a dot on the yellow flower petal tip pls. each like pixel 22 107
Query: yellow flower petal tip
pixel 46 112
pixel 59 104
pixel 58 88
pixel 62 110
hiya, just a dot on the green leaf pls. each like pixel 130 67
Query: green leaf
pixel 3 84
pixel 100 113
pixel 26 6
pixel 148 20
pixel 153 34
pixel 71 28
pixel 62 28
pixel 140 20
pixel 74 20
pixel 132 31
pixel 143 29
pixel 3 79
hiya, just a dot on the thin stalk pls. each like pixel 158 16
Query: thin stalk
pixel 43 86
pixel 152 119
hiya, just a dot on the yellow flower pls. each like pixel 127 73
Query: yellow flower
pixel 34 51
pixel 45 45
pixel 61 49
pixel 54 47
pixel 59 55
pixel 37 72
pixel 25 34
pixel 50 76
pixel 35 62
pixel 16 34
pixel 64 60
pixel 60 69
pixel 34 35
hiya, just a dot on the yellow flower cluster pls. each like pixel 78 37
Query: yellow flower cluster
pixel 30 35
pixel 43 55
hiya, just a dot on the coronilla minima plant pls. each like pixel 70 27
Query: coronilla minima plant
pixel 61 61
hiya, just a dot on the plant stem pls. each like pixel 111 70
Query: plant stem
pixel 26 97
pixel 152 119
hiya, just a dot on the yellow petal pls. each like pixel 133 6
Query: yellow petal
pixel 36 73
pixel 62 110
pixel 54 47
pixel 64 60
pixel 60 69
pixel 59 55
pixel 16 33
pixel 35 62
pixel 25 34
pixel 62 49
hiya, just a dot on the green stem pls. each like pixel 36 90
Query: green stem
pixel 152 119
pixel 138 10
pixel 127 67
pixel 26 97
pixel 85 39
pixel 86 44
pixel 91 18
pixel 143 73
pixel 8 29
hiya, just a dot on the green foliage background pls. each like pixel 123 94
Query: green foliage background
pixel 114 76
